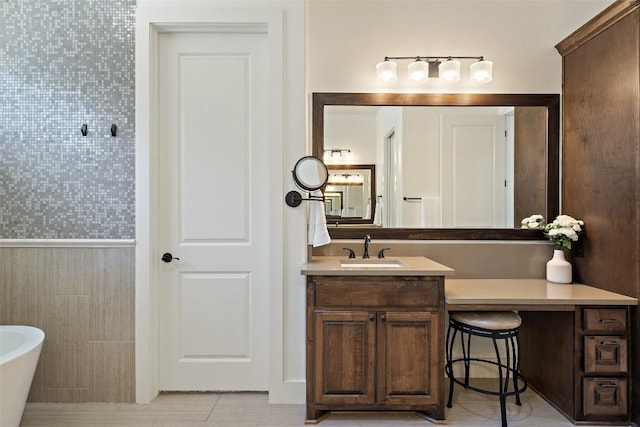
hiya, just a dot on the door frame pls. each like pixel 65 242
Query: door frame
pixel 150 22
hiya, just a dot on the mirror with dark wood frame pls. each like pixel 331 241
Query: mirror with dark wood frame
pixel 549 158
pixel 350 194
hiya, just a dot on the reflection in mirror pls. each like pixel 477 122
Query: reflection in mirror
pixel 350 194
pixel 463 162
pixel 457 165
pixel 310 173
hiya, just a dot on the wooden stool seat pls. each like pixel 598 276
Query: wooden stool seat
pixel 490 320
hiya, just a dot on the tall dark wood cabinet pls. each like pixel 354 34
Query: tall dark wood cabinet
pixel 601 155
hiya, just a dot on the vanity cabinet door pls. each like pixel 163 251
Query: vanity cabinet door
pixel 409 357
pixel 344 371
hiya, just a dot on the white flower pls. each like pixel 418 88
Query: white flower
pixel 563 230
pixel 533 222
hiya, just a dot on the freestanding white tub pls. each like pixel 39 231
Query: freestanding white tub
pixel 19 352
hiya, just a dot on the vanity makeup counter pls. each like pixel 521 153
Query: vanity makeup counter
pixel 526 294
pixel 574 341
pixel 375 335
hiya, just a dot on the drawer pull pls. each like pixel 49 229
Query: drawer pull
pixel 608 321
pixel 607 385
pixel 609 343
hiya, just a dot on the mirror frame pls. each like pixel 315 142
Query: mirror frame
pixel 552 155
pixel 304 185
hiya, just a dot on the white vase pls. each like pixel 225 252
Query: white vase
pixel 559 270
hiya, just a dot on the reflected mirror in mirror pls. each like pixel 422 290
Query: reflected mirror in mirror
pixel 310 173
pixel 467 162
pixel 350 194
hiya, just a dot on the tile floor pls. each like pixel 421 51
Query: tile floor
pixel 253 410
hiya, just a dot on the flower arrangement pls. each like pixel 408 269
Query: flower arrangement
pixel 533 222
pixel 563 231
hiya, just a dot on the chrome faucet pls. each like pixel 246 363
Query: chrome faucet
pixel 367 240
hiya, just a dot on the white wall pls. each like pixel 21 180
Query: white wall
pixel 355 130
pixel 347 38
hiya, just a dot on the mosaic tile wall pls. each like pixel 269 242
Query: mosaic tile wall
pixel 64 63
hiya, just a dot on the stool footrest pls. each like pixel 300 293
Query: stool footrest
pixel 522 382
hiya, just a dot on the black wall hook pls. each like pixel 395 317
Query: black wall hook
pixel 114 128
pixel 84 130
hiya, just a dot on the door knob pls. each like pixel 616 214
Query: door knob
pixel 167 257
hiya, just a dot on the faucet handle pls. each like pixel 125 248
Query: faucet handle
pixel 381 253
pixel 352 254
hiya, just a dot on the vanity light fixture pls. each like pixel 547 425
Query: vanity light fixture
pixel 337 155
pixel 346 178
pixel 446 68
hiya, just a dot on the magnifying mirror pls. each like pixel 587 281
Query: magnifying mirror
pixel 310 173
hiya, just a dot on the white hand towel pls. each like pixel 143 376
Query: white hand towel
pixel 377 216
pixel 318 234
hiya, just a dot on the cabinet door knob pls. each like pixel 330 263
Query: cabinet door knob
pixel 383 317
pixel 372 317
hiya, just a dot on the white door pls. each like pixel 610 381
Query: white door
pixel 473 171
pixel 213 211
pixel 391 181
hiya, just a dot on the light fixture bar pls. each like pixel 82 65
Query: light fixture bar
pixel 434 58
pixel 443 67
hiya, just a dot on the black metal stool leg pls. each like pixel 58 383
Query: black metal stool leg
pixel 449 367
pixel 503 382
pixel 516 367
pixel 466 355
pixel 503 410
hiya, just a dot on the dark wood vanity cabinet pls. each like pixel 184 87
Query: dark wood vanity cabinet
pixel 605 367
pixel 601 171
pixel 375 343
pixel 584 368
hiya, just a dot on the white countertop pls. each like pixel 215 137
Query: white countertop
pixel 411 266
pixel 528 292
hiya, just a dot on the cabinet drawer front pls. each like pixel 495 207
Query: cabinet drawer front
pixel 605 319
pixel 605 396
pixel 605 354
pixel 351 293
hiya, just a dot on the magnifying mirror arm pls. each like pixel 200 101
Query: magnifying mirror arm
pixel 294 198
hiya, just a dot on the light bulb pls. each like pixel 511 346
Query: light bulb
pixel 449 70
pixel 418 70
pixel 386 71
pixel 482 71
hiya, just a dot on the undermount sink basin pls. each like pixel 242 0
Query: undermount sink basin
pixel 370 262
